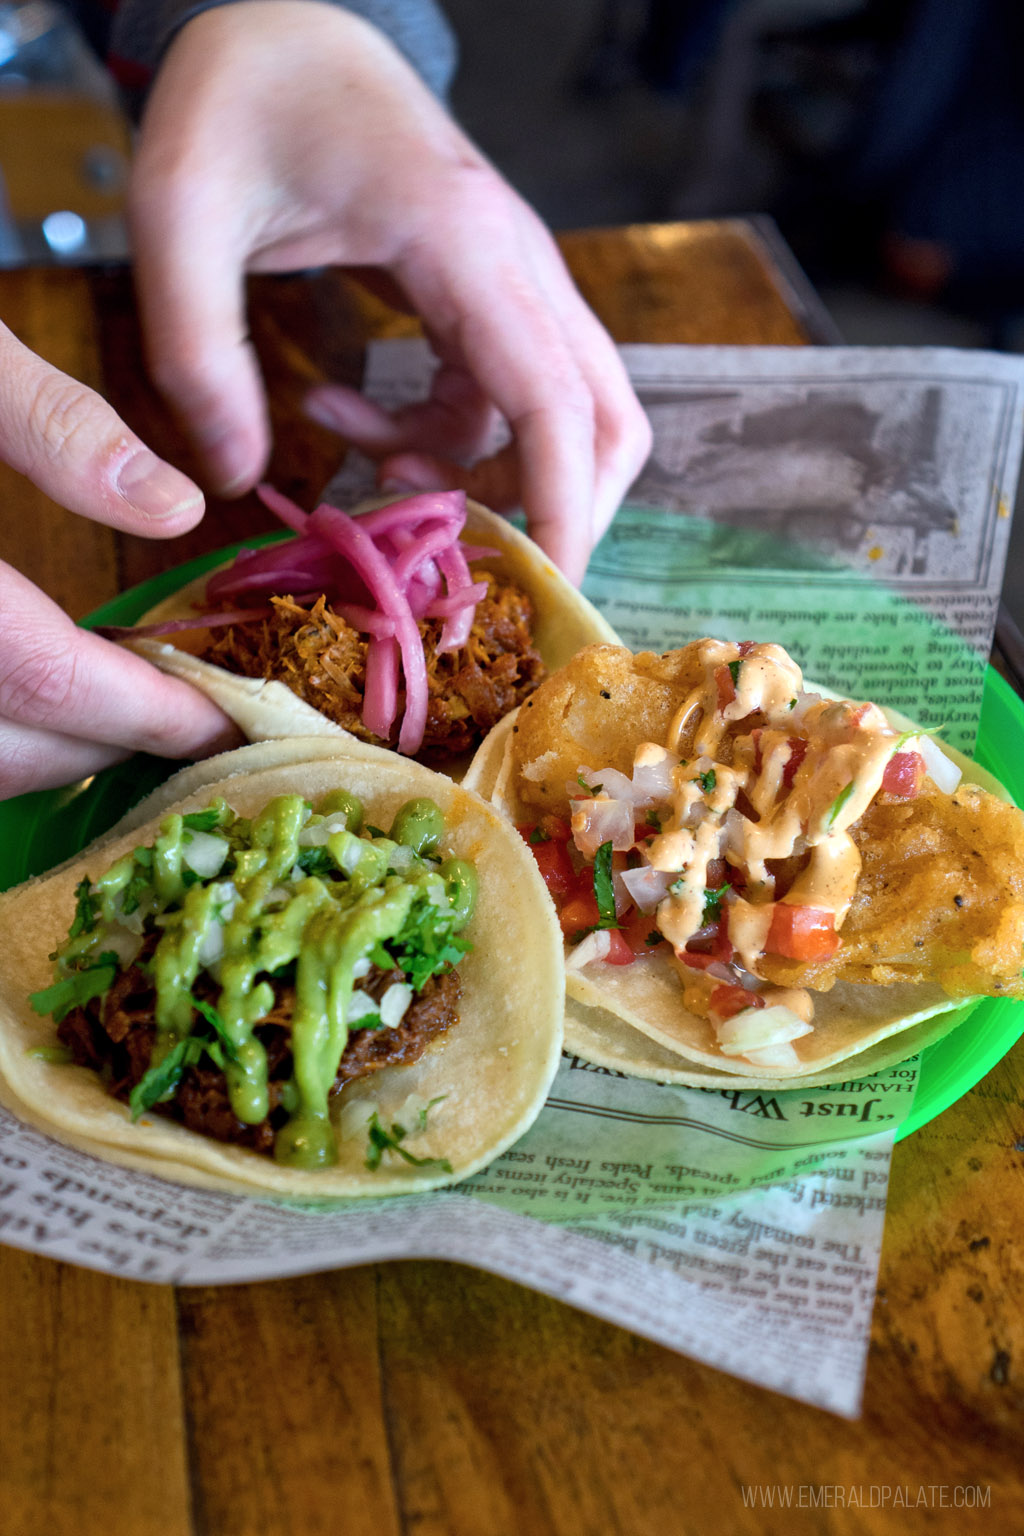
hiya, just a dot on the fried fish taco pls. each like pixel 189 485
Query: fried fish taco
pixel 303 978
pixel 754 881
pixel 417 624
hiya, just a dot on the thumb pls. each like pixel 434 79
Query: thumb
pixel 75 448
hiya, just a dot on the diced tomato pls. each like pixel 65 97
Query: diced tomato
pixel 619 951
pixel 556 828
pixel 727 1001
pixel 637 930
pixel 725 685
pixel 904 775
pixel 712 941
pixel 801 933
pixel 746 646
pixel 695 960
pixel 580 911
pixel 555 865
pixel 797 753
pixel 718 874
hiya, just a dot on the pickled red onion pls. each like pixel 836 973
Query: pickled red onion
pixel 383 572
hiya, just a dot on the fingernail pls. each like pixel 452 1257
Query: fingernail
pixel 156 489
pixel 230 459
pixel 394 483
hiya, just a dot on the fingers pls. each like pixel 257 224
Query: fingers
pixel 197 343
pixel 456 421
pixel 75 448
pixel 70 702
pixel 31 759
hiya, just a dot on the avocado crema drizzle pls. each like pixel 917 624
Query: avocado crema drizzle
pixel 242 899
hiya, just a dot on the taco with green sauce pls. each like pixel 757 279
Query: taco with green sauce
pixel 303 978
pixel 757 882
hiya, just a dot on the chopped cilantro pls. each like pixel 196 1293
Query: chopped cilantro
pixel 838 803
pixel 373 831
pixel 86 911
pixel 791 704
pixel 216 1023
pixel 421 1118
pixel 189 877
pixel 655 936
pixel 159 1083
pixel 591 789
pixel 707 781
pixel 382 1140
pixel 734 671
pixel 205 821
pixel 604 887
pixel 652 819
pixel 538 835
pixel 140 882
pixel 424 946
pixel 316 861
pixel 78 988
pixel 713 903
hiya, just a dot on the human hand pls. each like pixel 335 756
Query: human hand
pixel 289 134
pixel 71 703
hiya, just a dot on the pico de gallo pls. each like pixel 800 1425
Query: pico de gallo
pixel 738 850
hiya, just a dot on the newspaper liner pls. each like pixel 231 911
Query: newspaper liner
pixel 486 1079
pixel 739 1226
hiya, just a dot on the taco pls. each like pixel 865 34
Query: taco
pixel 417 624
pixel 755 882
pixel 302 977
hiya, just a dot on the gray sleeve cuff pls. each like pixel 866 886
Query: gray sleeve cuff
pixel 418 28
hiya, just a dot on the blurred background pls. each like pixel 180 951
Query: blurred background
pixel 885 137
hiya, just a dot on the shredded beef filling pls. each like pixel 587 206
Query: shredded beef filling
pixel 113 1036
pixel 322 659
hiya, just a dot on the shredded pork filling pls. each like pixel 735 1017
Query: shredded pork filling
pixel 114 1036
pixel 323 660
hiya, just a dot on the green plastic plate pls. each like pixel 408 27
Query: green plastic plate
pixel 39 830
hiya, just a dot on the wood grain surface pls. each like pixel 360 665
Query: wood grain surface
pixel 428 1398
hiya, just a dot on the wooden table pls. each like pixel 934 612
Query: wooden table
pixel 427 1398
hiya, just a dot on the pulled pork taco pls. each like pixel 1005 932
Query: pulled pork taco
pixel 303 978
pixel 755 883
pixel 417 624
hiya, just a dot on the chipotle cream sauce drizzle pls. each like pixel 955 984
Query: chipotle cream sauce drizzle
pixel 848 748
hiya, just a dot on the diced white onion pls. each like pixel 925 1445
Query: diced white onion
pixel 400 859
pixel 362 968
pixel 646 886
pixel 602 821
pixel 360 1005
pixel 944 773
pixel 773 1056
pixel 754 1028
pixel 594 947
pixel 211 945
pixel 611 782
pixel 316 836
pixel 356 1115
pixel 394 1003
pixel 652 781
pixel 350 854
pixel 123 941
pixel 205 854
